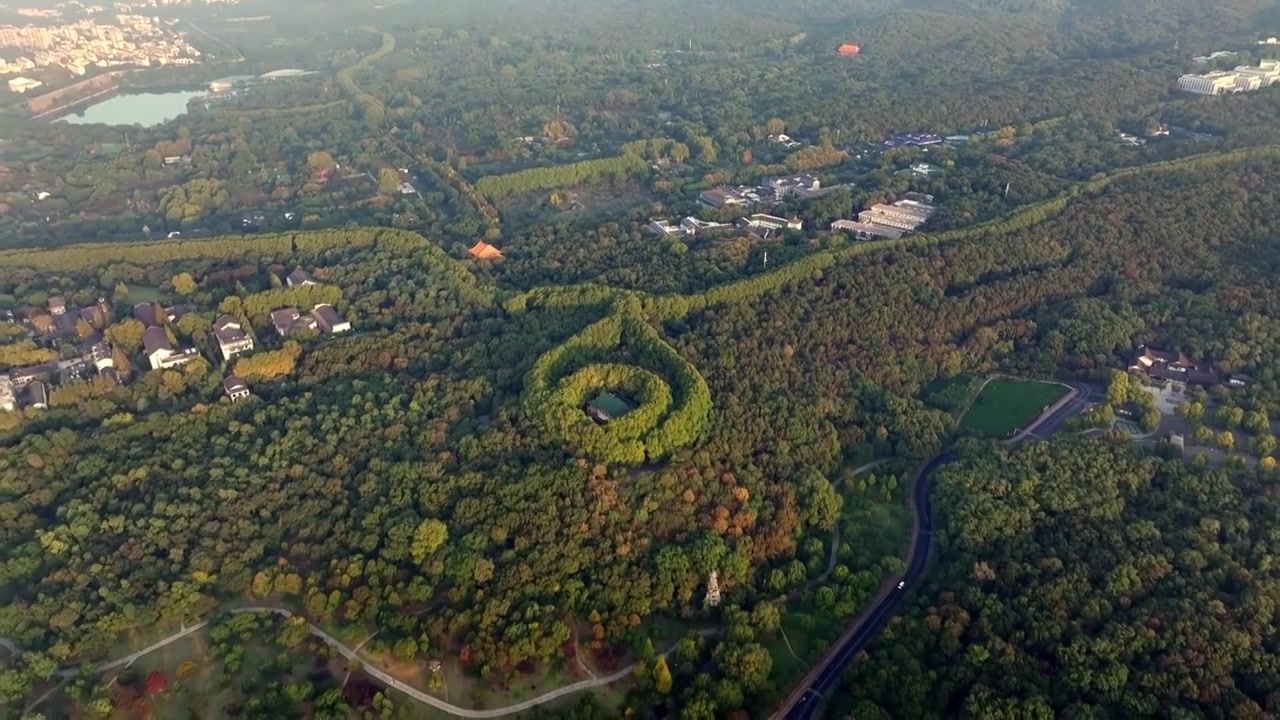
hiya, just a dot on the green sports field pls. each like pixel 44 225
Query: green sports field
pixel 1005 405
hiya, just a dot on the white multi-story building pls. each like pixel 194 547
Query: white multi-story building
pixel 1214 83
pixel 231 337
pixel 664 228
pixel 904 215
pixel 866 231
pixel 23 84
pixel 773 222
pixel 8 401
pixel 1267 73
pixel 1242 79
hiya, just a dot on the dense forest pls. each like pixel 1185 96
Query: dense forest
pixel 486 111
pixel 399 469
pixel 431 485
pixel 1084 580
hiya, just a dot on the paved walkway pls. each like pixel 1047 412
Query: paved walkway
pixel 835 544
pixel 371 670
pixel 415 693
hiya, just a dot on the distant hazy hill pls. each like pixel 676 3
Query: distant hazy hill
pixel 1069 26
pixel 1113 25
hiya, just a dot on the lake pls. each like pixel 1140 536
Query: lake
pixel 144 109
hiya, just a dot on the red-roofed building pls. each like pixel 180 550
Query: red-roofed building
pixel 849 50
pixel 484 251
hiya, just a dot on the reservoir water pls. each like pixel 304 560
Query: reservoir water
pixel 145 109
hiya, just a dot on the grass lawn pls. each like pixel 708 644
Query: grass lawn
pixel 199 694
pixel 952 394
pixel 1005 405
pixel 788 668
pixel 871 529
pixel 142 293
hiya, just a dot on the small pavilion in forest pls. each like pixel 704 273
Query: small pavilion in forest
pixel 606 406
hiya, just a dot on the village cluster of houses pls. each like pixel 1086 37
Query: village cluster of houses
pixel 29 386
pixel 229 332
pixel 1166 366
pixel 889 221
pixel 322 317
pixel 760 224
pixel 802 185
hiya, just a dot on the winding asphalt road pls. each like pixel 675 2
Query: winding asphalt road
pixel 807 696
pixel 801 704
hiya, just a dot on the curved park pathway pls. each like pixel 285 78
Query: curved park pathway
pixel 415 693
pixel 835 543
pixel 371 670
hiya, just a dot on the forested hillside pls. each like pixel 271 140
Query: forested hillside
pixel 533 104
pixel 441 483
pixel 1081 580
pixel 398 469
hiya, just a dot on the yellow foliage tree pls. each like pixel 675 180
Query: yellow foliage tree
pixel 24 353
pixel 126 334
pixel 662 677
pixel 269 365
pixel 183 283
pixel 816 156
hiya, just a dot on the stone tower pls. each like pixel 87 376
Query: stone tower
pixel 713 589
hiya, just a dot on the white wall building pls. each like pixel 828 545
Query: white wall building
pixel 1267 73
pixel 235 388
pixel 8 401
pixel 329 320
pixel 692 225
pixel 903 215
pixel 1242 79
pixel 231 337
pixel 664 228
pixel 23 84
pixel 774 222
pixel 160 354
pixel 865 231
pixel 1215 83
